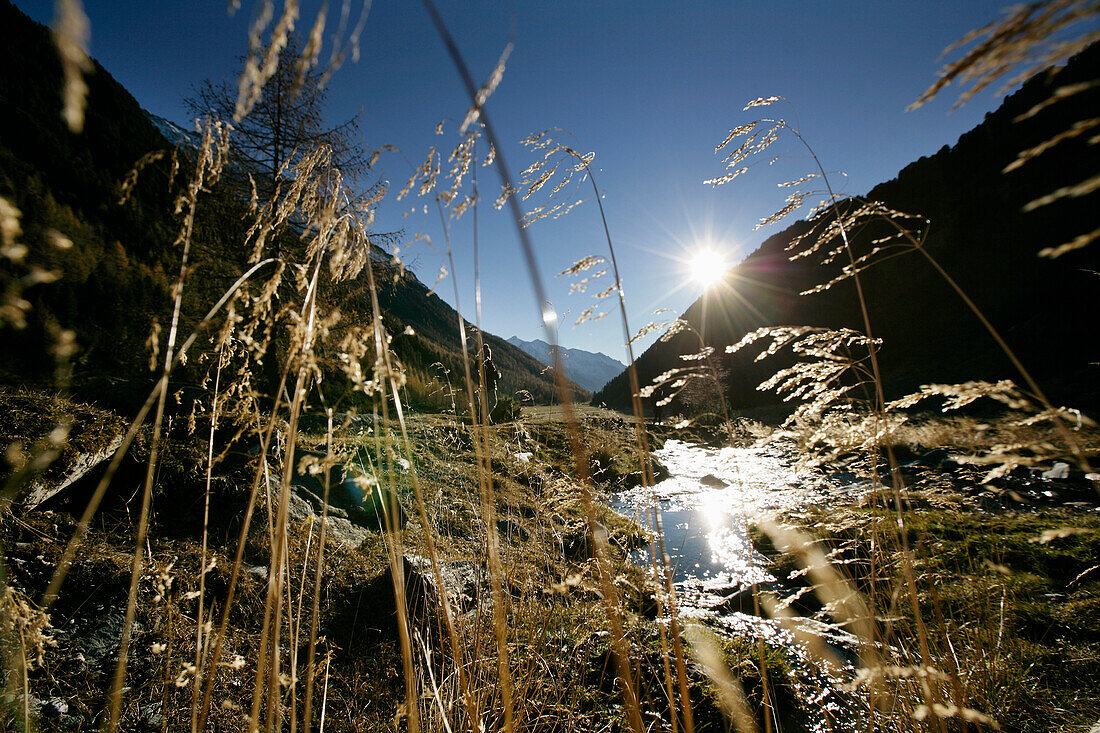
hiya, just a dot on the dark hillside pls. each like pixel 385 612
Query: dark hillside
pixel 982 238
pixel 113 276
pixel 408 301
pixel 116 276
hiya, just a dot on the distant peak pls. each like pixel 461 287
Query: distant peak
pixel 590 369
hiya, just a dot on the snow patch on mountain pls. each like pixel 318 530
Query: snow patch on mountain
pixel 173 133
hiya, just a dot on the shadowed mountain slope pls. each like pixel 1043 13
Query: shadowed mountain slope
pixel 981 236
pixel 117 275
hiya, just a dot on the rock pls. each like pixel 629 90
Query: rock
pixel 42 489
pixel 801 600
pixel 316 503
pixel 259 572
pixel 465 581
pixel 938 458
pixel 741 601
pixel 57 710
pixel 711 480
pixel 635 478
pixel 660 471
pixel 1058 472
pixel 510 530
pixel 54 707
pixel 358 497
pixel 352 513
pixel 93 636
pixel 368 610
pixel 152 716
pixel 339 529
pixel 345 532
pixel 99 641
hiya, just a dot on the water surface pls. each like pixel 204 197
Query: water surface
pixel 705 507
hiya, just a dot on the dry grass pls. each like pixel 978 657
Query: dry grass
pixel 263 614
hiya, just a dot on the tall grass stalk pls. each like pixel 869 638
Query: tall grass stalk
pixel 657 551
pixel 897 482
pixel 597 539
pixel 662 575
pixel 207 170
pixel 200 618
pixel 393 530
pixel 315 614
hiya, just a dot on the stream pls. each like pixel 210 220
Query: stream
pixel 706 506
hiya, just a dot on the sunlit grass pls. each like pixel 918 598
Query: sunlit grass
pixel 566 634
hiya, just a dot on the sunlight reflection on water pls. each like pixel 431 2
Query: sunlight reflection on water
pixel 708 502
pixel 706 506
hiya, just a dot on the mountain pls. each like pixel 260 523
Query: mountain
pixel 590 369
pixel 981 236
pixel 173 133
pixel 116 276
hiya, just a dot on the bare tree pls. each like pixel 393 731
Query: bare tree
pixel 288 122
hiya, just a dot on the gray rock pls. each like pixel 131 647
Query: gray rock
pixel 42 489
pixel 152 716
pixel 259 572
pixel 339 529
pixel 362 501
pixel 465 581
pixel 1058 472
pixel 354 620
pixel 54 707
pixel 660 472
pixel 99 641
pixel 512 531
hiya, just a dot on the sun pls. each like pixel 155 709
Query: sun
pixel 707 267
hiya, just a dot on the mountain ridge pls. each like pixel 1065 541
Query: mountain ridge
pixel 979 234
pixel 590 369
pixel 115 278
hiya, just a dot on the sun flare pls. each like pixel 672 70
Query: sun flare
pixel 707 267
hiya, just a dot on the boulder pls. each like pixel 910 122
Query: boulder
pixel 1058 472
pixel 635 478
pixel 79 465
pixel 660 472
pixel 367 611
pixel 465 582
pixel 54 707
pixel 512 531
pixel 93 637
pixel 742 601
pixel 358 497
pixel 340 529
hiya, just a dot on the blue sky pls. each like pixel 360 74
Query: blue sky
pixel 651 87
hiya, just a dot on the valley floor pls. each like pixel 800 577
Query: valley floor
pixel 1007 583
